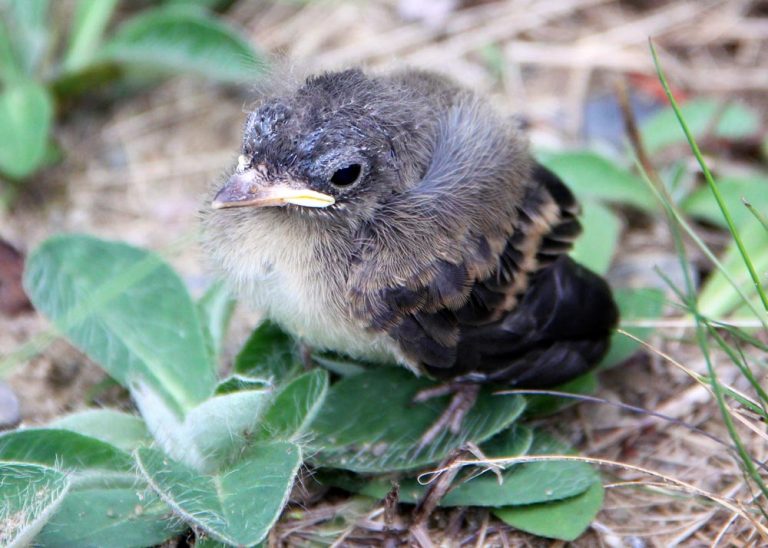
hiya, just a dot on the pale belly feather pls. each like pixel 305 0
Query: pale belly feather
pixel 275 279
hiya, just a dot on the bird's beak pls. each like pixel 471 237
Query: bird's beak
pixel 245 189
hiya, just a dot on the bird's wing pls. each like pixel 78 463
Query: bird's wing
pixel 458 250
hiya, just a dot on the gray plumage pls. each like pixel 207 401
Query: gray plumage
pixel 412 226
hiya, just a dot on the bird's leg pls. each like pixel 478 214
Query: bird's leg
pixel 306 355
pixel 464 397
pixel 437 489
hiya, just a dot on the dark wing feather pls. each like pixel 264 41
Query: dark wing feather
pixel 467 272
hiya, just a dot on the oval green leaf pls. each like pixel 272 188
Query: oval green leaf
pixel 269 353
pixel 118 518
pixel 122 430
pixel 701 115
pixel 565 519
pixel 129 311
pixel 63 449
pixel 26 114
pixel 181 40
pixel 702 204
pixel 369 422
pixel 597 243
pixel 295 406
pixel 591 176
pixel 30 495
pixel 718 298
pixel 239 504
pixel 522 484
pixel 636 306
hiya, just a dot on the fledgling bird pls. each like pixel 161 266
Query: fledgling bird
pixel 399 218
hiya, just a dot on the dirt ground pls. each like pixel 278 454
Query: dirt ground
pixel 137 171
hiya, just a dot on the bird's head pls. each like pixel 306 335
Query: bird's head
pixel 341 142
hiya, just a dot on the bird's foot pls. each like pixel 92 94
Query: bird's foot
pixel 464 397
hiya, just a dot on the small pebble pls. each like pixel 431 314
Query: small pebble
pixel 10 412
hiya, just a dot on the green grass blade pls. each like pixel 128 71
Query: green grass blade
pixel 710 181
pixel 759 216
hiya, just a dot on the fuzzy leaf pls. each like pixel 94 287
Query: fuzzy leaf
pixel 129 311
pixel 370 424
pixel 26 114
pixel 237 383
pixel 216 308
pixel 220 426
pixel 591 176
pixel 522 484
pixel 295 406
pixel 565 519
pixel 182 40
pixel 510 443
pixel 269 353
pixel 66 450
pixel 127 517
pixel 30 495
pixel 122 430
pixel 239 504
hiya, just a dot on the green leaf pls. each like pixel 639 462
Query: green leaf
pixel 527 483
pixel 10 70
pixel 220 427
pixel 295 406
pixel 28 21
pixel 717 298
pixel 216 308
pixel 565 519
pixel 236 383
pixel 635 305
pixel 211 5
pixel 26 114
pixel 129 311
pixel 209 433
pixel 90 19
pixel 339 364
pixel 30 495
pixel 127 517
pixel 269 353
pixel 702 204
pixel 238 505
pixel 184 41
pixel 369 422
pixel 735 121
pixel 600 235
pixel 513 442
pixel 522 484
pixel 122 430
pixel 591 176
pixel 90 462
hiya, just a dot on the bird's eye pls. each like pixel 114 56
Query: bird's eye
pixel 346 175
